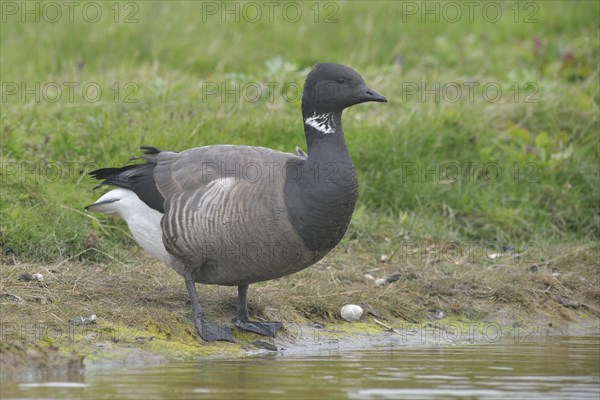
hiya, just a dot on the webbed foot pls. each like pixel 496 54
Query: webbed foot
pixel 262 328
pixel 211 331
pixel 208 330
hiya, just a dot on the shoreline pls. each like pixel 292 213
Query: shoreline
pixel 144 317
pixel 96 351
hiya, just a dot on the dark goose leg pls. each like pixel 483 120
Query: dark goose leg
pixel 242 321
pixel 208 330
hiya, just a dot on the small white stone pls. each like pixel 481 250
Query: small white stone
pixel 384 258
pixel 38 277
pixel 380 282
pixel 439 315
pixel 352 312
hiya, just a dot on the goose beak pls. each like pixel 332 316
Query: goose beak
pixel 365 94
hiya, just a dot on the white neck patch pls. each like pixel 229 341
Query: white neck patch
pixel 323 123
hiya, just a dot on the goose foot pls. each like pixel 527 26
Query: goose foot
pixel 262 328
pixel 243 322
pixel 211 331
pixel 208 330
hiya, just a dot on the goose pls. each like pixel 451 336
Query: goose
pixel 235 215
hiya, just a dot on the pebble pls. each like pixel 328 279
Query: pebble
pixel 439 315
pixel 380 282
pixel 567 302
pixel 31 277
pixel 352 312
pixel 84 321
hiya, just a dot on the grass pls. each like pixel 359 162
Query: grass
pixel 519 171
pixel 522 168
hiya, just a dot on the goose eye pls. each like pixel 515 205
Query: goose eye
pixel 341 80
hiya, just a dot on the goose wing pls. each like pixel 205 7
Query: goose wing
pixel 225 210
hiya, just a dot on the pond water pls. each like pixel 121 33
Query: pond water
pixel 553 368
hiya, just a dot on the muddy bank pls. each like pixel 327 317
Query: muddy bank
pixel 143 316
pixel 108 346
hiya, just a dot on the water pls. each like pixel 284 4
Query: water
pixel 555 368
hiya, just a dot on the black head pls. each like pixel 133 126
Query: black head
pixel 333 87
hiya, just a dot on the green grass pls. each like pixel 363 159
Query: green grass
pixel 547 150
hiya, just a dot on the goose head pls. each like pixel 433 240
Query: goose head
pixel 330 88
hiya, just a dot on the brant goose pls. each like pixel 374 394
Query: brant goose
pixel 236 215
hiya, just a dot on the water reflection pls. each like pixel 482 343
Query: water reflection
pixel 559 368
